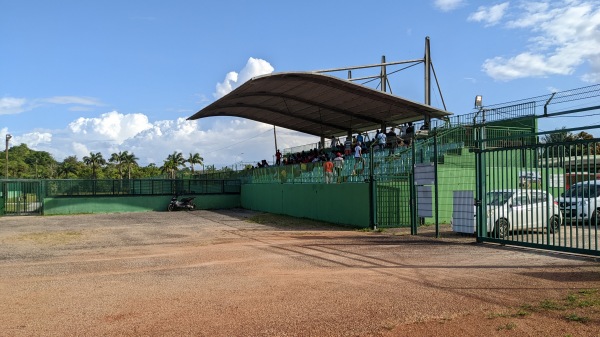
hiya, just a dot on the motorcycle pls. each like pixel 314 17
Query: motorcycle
pixel 184 203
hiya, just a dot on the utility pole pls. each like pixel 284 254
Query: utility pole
pixel 8 137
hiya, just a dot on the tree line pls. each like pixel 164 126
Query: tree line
pixel 566 144
pixel 25 163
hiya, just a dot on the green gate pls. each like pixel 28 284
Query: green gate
pixel 22 197
pixel 393 201
pixel 543 191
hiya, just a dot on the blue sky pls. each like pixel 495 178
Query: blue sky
pixel 107 76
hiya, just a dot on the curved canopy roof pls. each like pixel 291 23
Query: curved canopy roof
pixel 317 104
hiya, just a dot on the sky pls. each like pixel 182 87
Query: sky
pixel 108 76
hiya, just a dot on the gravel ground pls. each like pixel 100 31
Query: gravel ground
pixel 215 273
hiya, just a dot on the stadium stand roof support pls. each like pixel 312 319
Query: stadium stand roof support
pixel 317 104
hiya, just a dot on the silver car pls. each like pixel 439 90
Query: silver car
pixel 581 202
pixel 521 209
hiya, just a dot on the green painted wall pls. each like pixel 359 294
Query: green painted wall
pixel 346 204
pixel 79 205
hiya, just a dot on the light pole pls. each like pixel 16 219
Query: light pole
pixel 8 137
pixel 479 104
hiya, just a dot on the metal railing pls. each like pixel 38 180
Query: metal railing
pixel 124 187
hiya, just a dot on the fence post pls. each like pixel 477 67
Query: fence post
pixel 436 188
pixel 413 194
pixel 372 192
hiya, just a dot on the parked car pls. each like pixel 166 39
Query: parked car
pixel 521 209
pixel 581 202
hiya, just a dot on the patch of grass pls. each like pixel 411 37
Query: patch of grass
pixel 587 298
pixel 522 313
pixel 527 307
pixel 577 318
pixel 583 299
pixel 571 298
pixel 519 313
pixel 507 326
pixel 551 305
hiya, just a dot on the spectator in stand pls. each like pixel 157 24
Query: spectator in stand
pixel 334 143
pixel 360 138
pixel 410 132
pixel 338 164
pixel 277 158
pixel 381 139
pixel 392 141
pixel 358 158
pixel 375 139
pixel 328 171
pixel 348 146
pixel 403 130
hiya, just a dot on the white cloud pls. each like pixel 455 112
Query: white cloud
pixel 80 150
pixel 12 105
pixel 490 15
pixel 448 5
pixel 254 67
pixel 228 141
pixel 227 85
pixel 594 75
pixel 34 139
pixel 524 65
pixel 565 35
pixel 72 100
pixel 112 126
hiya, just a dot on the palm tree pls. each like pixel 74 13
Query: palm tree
pixel 172 163
pixel 178 158
pixel 118 160
pixel 95 160
pixel 129 160
pixel 169 168
pixel 68 167
pixel 194 159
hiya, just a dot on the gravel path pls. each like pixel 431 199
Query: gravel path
pixel 214 273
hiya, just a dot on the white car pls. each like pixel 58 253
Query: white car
pixel 521 209
pixel 581 202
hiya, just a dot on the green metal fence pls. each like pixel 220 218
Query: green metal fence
pixel 22 197
pixel 108 187
pixel 394 201
pixel 542 195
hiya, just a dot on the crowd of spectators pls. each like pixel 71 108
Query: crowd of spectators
pixel 381 141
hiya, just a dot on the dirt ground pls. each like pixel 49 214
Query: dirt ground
pixel 215 273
